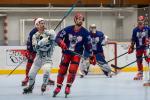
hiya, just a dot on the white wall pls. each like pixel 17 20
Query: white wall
pixel 6 63
pixel 105 21
pixel 1 31
pixel 129 23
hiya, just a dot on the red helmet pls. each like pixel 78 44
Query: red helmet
pixel 77 16
pixel 141 18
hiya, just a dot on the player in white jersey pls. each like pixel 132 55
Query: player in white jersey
pixel 43 43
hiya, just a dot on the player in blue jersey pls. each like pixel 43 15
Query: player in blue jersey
pixel 30 54
pixel 140 38
pixel 98 41
pixel 72 39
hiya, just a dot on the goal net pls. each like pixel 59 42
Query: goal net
pixel 26 25
pixel 110 52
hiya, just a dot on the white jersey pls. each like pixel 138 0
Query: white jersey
pixel 43 43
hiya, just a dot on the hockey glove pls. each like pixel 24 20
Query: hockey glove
pixel 147 42
pixel 92 60
pixel 27 55
pixel 131 49
pixel 62 45
pixel 147 59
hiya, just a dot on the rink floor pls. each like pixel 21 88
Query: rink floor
pixel 92 87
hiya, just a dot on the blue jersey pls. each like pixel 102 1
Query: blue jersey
pixel 139 36
pixel 29 41
pixel 75 41
pixel 97 39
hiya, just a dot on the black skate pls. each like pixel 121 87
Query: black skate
pixel 67 91
pixel 108 74
pixel 51 82
pixel 81 76
pixel 27 90
pixel 56 91
pixel 43 88
pixel 85 72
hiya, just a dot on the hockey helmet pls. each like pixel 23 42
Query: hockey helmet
pixel 92 28
pixel 37 21
pixel 78 16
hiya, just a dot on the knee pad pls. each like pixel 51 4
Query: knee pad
pixel 73 67
pixel 106 68
pixel 64 64
pixel 63 70
pixel 47 67
pixel 100 58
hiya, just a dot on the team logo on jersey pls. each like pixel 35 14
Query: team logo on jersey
pixel 79 38
pixel 74 40
pixel 62 33
pixel 94 43
pixel 141 34
pixel 95 40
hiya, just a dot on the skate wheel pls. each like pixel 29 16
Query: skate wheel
pixel 81 76
pixel 24 92
pixel 54 95
pixel 42 93
pixel 43 90
pixel 146 84
pixel 66 95
pixel 138 78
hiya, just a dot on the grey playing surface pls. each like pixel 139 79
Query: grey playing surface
pixel 92 87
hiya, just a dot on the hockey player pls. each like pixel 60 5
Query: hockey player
pixel 84 65
pixel 72 39
pixel 140 34
pixel 98 41
pixel 30 54
pixel 43 43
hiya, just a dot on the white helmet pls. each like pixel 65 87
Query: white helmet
pixel 92 28
pixel 37 21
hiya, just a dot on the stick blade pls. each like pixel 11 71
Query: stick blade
pixel 115 67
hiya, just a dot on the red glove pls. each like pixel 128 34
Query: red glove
pixel 27 55
pixel 92 60
pixel 63 45
pixel 147 41
pixel 131 49
pixel 147 59
pixel 147 55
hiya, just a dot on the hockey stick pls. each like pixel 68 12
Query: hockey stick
pixel 117 57
pixel 120 56
pixel 99 63
pixel 16 67
pixel 67 13
pixel 116 67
